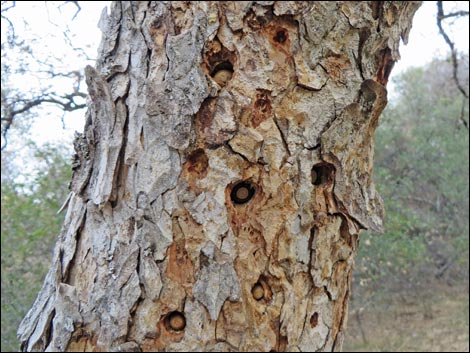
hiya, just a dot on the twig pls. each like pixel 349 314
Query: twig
pixel 455 14
pixel 455 64
pixel 361 329
pixel 462 113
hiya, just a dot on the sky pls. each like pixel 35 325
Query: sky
pixel 48 21
pixel 425 42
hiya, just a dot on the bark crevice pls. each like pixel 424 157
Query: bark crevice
pixel 188 100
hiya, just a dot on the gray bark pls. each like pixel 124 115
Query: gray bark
pixel 222 178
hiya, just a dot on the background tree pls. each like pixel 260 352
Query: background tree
pixel 424 151
pixel 36 73
pixel 398 293
pixel 29 226
pixel 422 169
pixel 218 191
pixel 441 17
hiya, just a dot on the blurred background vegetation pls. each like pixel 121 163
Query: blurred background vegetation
pixel 413 278
pixel 411 283
pixel 30 225
pixel 410 286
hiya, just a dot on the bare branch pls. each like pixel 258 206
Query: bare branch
pixel 16 103
pixel 65 102
pixel 12 28
pixel 74 3
pixel 455 14
pixel 66 32
pixel 7 5
pixel 455 64
pixel 462 114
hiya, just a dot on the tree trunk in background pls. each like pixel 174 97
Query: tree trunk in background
pixel 222 178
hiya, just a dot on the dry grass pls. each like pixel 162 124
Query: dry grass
pixel 437 321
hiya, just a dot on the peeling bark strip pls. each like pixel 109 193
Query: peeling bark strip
pixel 222 178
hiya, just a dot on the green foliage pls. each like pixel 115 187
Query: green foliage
pixel 29 226
pixel 422 173
pixel 422 166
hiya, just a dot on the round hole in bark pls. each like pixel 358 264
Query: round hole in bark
pixel 175 321
pixel 314 320
pixel 281 36
pixel 242 192
pixel 322 173
pixel 222 73
pixel 257 291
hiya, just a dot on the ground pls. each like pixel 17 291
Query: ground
pixel 437 321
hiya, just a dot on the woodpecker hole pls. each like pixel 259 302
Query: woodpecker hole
pixel 242 193
pixel 258 291
pixel 222 73
pixel 281 36
pixel 175 321
pixel 322 174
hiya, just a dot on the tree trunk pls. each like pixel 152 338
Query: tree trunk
pixel 222 178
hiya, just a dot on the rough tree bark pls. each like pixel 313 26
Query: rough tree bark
pixel 222 178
